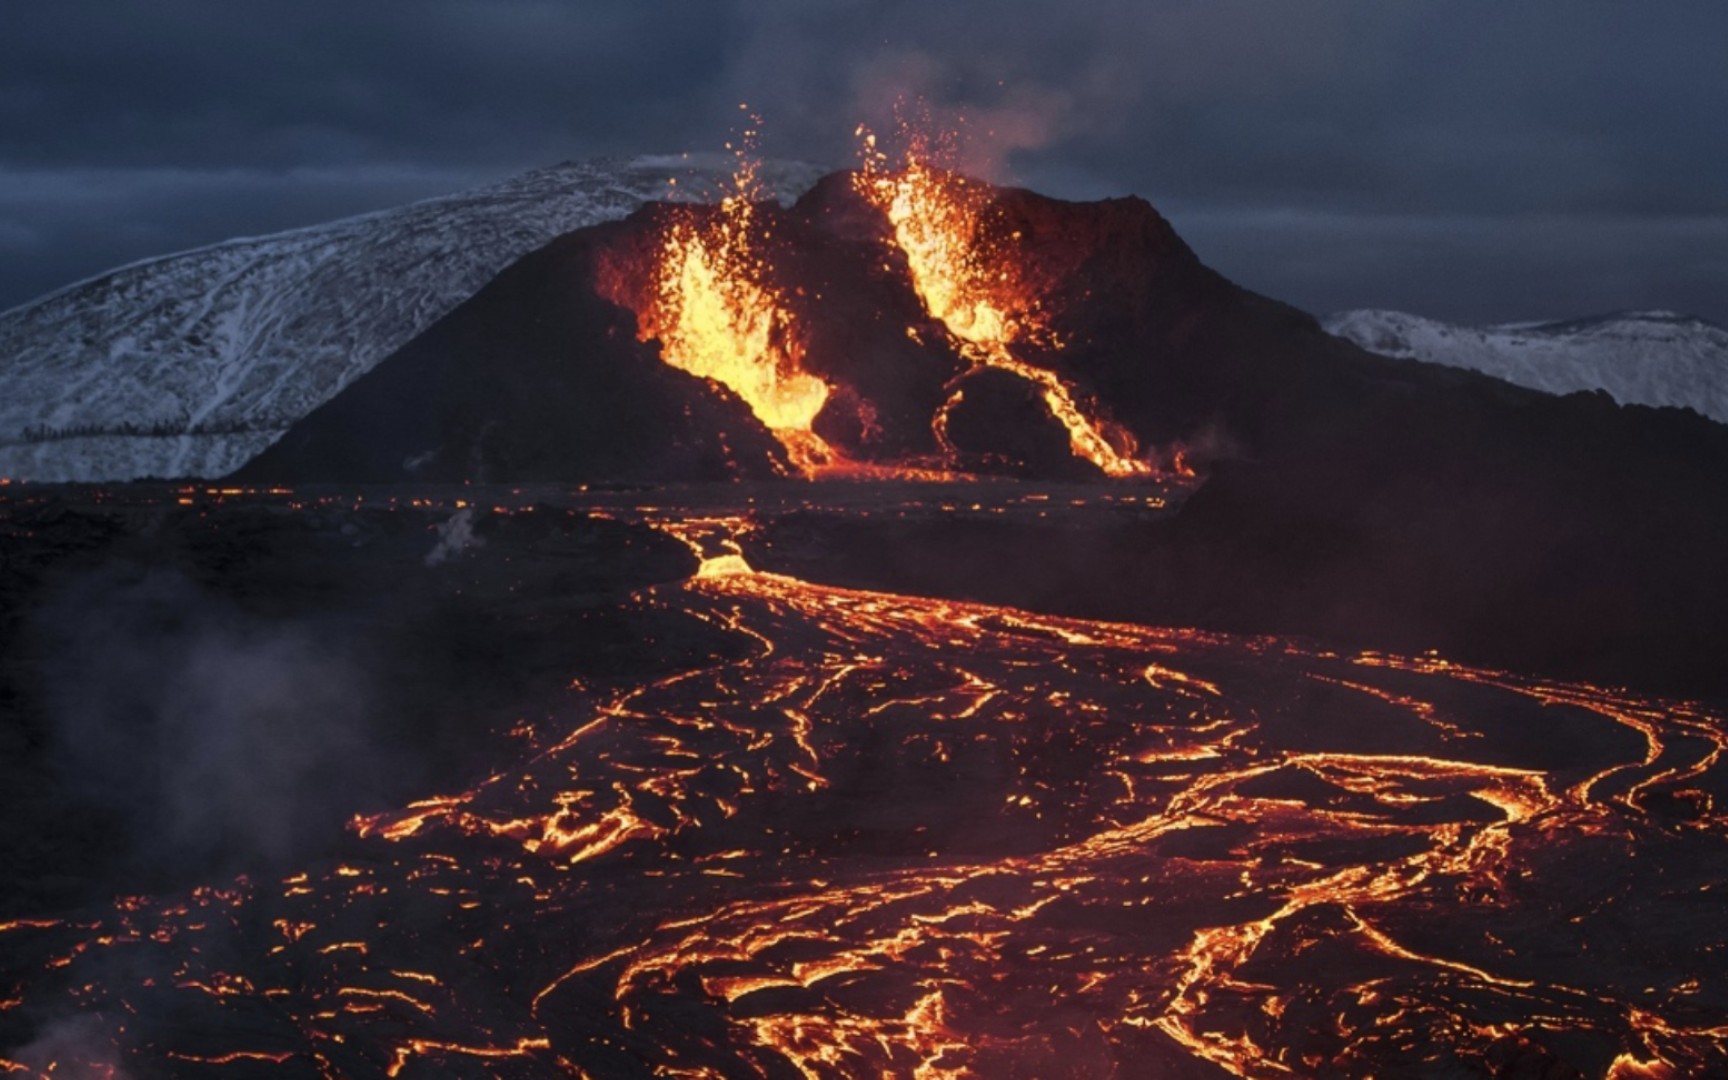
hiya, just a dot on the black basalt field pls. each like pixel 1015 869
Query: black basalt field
pixel 633 808
pixel 518 715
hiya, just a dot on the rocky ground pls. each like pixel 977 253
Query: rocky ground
pixel 408 783
pixel 424 627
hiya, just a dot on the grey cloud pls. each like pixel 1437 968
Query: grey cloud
pixel 197 83
pixel 81 1047
pixel 1470 269
pixel 1580 109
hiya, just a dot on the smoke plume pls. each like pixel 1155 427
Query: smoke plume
pixel 218 735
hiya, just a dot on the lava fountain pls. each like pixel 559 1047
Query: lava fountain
pixel 706 292
pixel 971 285
pixel 710 304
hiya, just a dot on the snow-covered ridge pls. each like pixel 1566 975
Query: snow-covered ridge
pixel 1638 357
pixel 187 365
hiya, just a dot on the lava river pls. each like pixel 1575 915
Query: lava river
pixel 908 837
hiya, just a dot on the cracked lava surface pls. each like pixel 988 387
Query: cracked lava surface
pixel 902 836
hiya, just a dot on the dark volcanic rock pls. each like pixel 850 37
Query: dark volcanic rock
pixel 1369 500
pixel 1002 420
pixel 193 689
pixel 539 378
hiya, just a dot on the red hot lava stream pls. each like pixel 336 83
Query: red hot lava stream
pixel 901 836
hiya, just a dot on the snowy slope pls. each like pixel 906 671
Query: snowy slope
pixel 188 364
pixel 1640 357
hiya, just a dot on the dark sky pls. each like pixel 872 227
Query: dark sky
pixel 1475 160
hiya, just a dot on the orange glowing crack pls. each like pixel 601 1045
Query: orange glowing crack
pixel 433 1048
pixel 28 924
pixel 936 964
pixel 1157 674
pixel 235 1057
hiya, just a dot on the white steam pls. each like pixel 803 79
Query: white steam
pixel 217 734
pixel 454 537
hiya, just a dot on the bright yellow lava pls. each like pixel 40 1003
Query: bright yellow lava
pixel 718 318
pixel 974 292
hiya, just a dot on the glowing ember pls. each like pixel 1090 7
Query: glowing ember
pixel 717 317
pixel 972 288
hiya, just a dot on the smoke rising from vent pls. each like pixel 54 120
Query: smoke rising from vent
pixel 455 536
pixel 220 736
pixel 75 1048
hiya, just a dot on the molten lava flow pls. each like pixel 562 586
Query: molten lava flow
pixel 971 287
pixel 716 316
pixel 887 835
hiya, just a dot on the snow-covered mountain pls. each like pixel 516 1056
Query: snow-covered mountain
pixel 1639 357
pixel 187 365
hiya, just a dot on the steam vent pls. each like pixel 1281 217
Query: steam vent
pixel 920 629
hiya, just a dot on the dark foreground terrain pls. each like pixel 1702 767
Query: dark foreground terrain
pixel 480 782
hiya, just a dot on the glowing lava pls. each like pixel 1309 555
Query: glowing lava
pixel 710 301
pixel 905 836
pixel 716 316
pixel 972 288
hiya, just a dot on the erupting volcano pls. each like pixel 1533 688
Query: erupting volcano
pixel 804 664
pixel 709 295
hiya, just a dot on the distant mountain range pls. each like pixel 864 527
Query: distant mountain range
pixel 187 365
pixel 1638 357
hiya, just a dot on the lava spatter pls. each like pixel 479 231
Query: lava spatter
pixel 708 300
